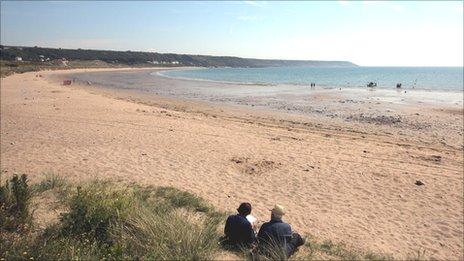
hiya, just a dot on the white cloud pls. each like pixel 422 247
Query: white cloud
pixel 249 18
pixel 388 5
pixel 428 46
pixel 231 28
pixel 256 3
pixel 460 8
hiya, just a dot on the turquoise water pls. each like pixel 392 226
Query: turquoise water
pixel 424 78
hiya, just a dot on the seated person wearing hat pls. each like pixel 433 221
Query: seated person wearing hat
pixel 238 229
pixel 277 233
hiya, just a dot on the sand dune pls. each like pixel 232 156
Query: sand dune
pixel 351 182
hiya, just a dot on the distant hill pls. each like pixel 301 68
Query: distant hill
pixel 37 54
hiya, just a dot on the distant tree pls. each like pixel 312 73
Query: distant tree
pixel 130 57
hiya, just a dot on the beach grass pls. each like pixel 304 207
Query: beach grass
pixel 13 67
pixel 341 251
pixel 51 181
pixel 15 197
pixel 105 220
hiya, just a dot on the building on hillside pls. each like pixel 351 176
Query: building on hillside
pixel 64 62
pixel 18 59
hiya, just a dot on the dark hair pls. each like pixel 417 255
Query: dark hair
pixel 244 208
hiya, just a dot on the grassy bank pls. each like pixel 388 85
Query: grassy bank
pixel 55 219
pixel 12 67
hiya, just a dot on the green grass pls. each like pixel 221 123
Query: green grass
pixel 339 251
pixel 182 199
pixel 15 198
pixel 12 67
pixel 104 220
pixel 50 182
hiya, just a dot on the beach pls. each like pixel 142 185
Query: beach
pixel 345 167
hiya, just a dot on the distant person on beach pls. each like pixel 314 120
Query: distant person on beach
pixel 238 229
pixel 278 234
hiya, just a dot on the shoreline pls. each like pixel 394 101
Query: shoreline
pixel 398 115
pixel 350 181
pixel 430 97
pixel 160 73
pixel 321 86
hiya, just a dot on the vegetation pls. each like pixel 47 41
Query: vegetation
pixel 15 198
pixel 11 67
pixel 341 251
pixel 102 220
pixel 38 54
pixel 51 181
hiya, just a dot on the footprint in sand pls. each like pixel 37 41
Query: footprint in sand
pixel 254 167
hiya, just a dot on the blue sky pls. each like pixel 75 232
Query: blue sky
pixel 366 33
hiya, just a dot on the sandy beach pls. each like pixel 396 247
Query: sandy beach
pixel 345 170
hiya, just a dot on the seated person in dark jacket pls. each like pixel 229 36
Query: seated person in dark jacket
pixel 238 229
pixel 277 233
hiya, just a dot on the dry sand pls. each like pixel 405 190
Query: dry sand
pixel 344 181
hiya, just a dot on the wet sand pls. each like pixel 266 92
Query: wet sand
pixel 344 167
pixel 400 109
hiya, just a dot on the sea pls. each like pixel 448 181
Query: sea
pixel 421 78
pixel 289 88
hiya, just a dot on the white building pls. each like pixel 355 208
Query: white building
pixel 19 59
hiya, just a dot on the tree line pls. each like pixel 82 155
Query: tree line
pixel 38 54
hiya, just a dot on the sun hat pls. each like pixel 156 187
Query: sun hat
pixel 278 211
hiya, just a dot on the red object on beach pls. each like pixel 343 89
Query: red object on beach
pixel 67 82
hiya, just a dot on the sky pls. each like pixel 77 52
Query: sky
pixel 367 33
